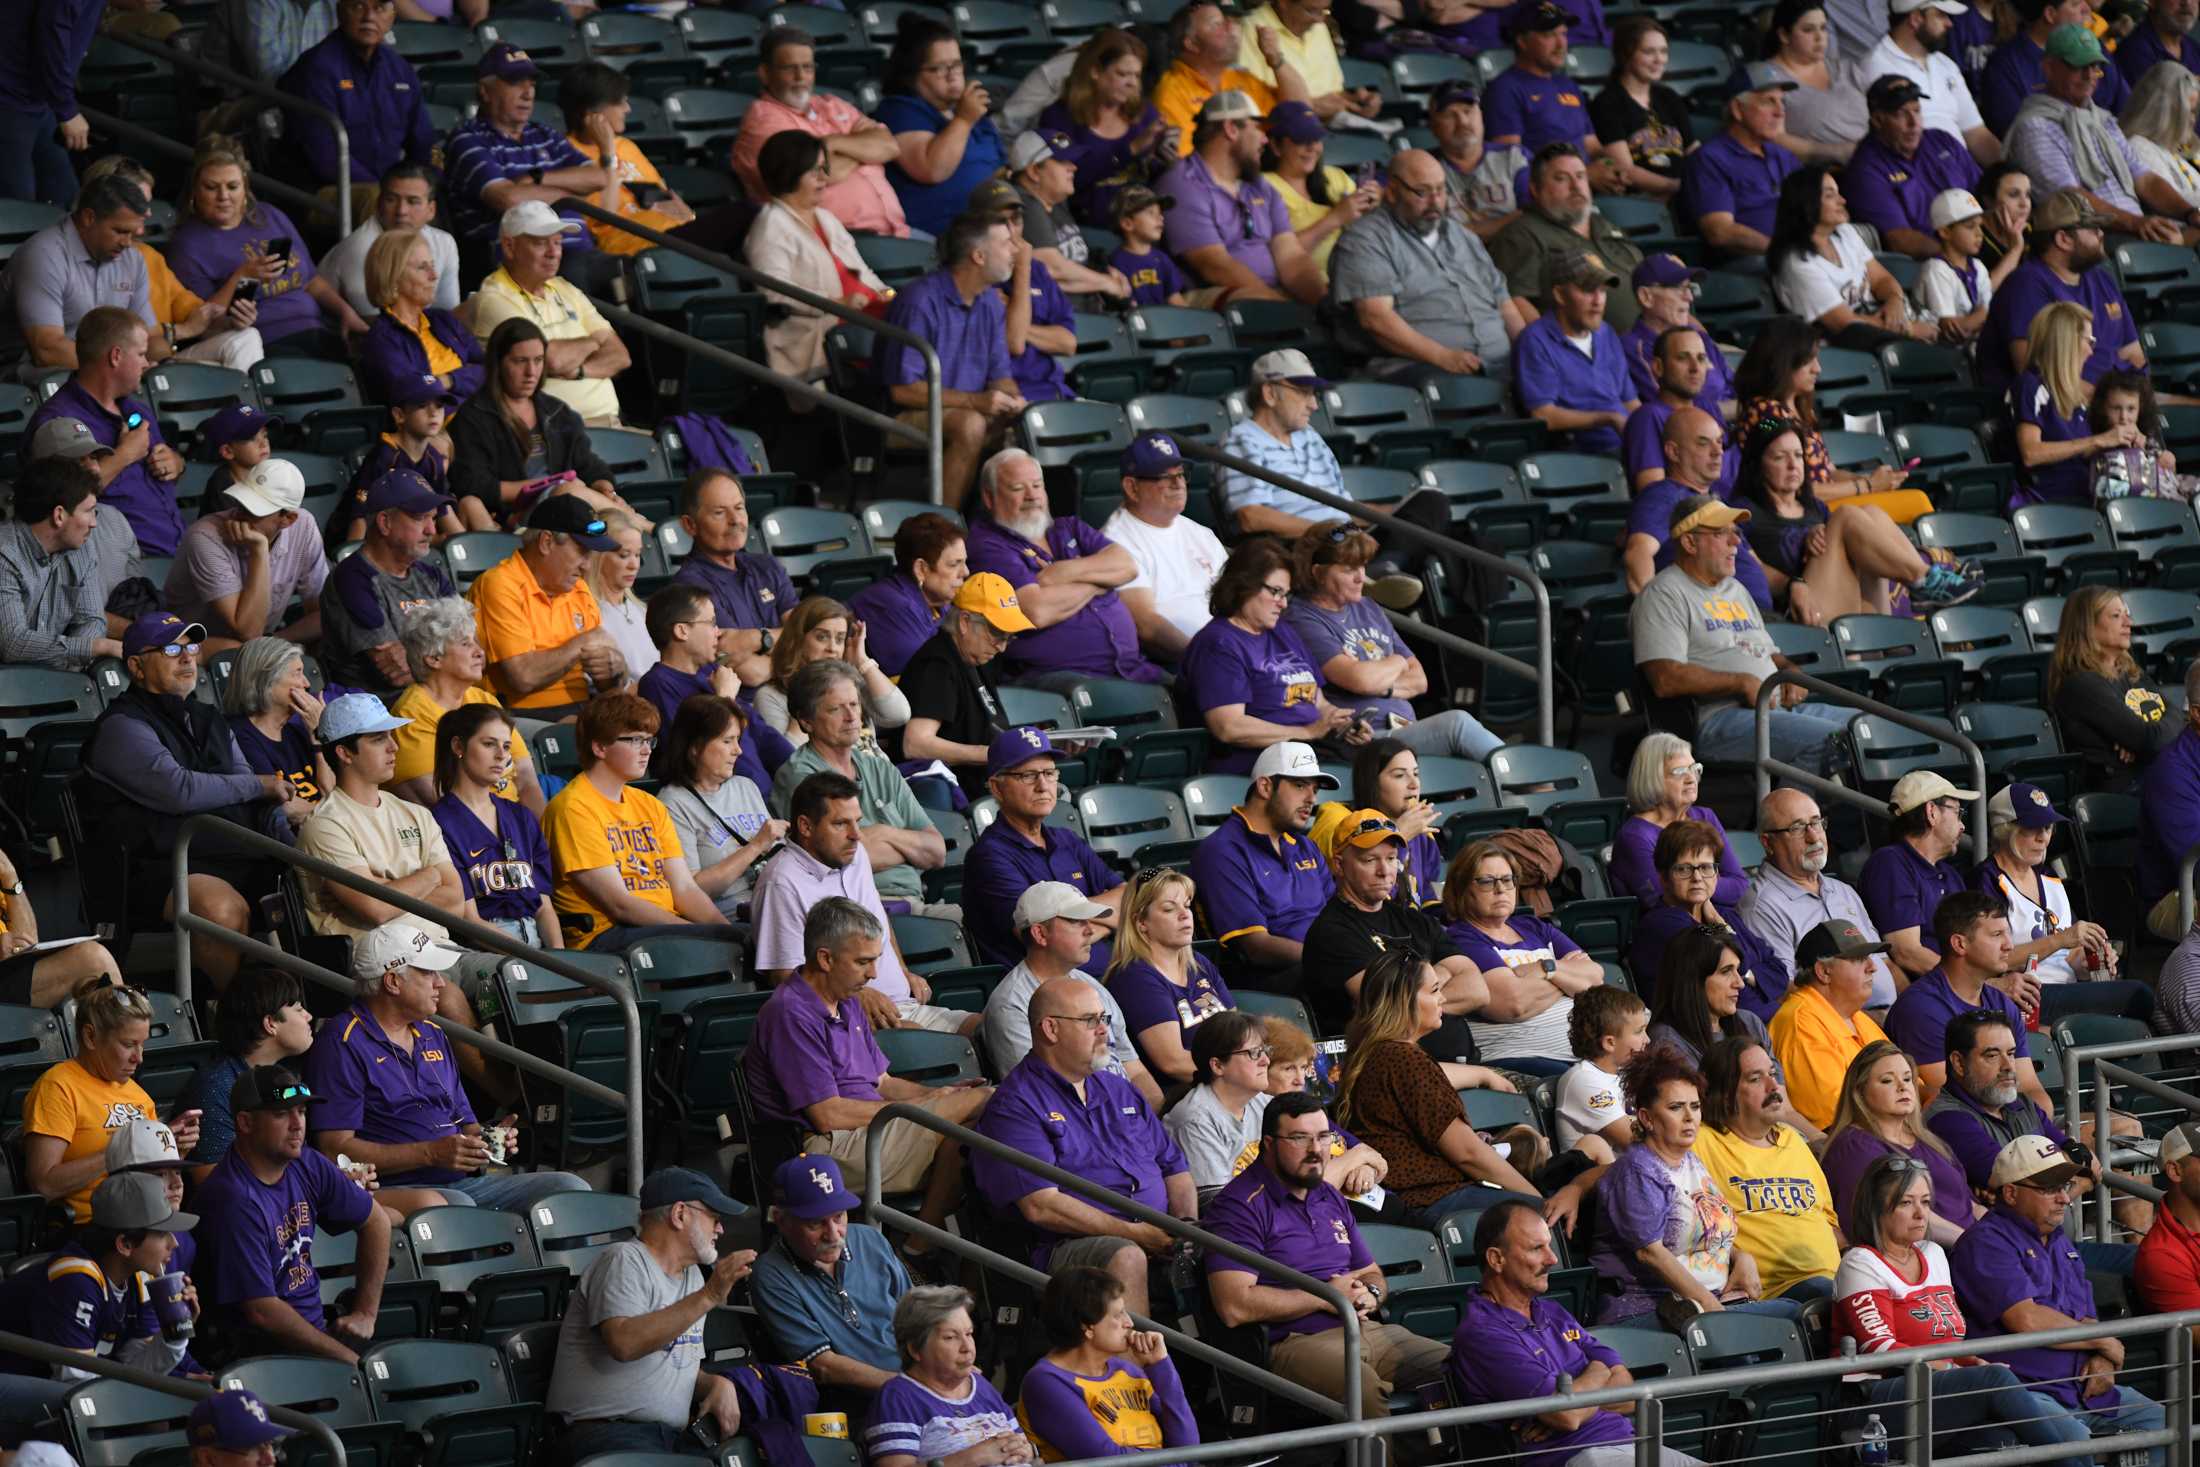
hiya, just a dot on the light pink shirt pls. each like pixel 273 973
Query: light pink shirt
pixel 864 200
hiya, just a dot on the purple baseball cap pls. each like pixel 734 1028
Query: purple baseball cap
pixel 234 1420
pixel 1014 746
pixel 234 424
pixel 1664 270
pixel 404 491
pixel 1152 456
pixel 1297 122
pixel 506 62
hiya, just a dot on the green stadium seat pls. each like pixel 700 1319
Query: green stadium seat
pixel 456 1397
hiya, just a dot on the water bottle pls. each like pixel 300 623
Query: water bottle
pixel 1871 1444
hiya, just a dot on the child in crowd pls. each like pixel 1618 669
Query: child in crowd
pixel 1155 279
pixel 415 441
pixel 1955 288
pixel 237 438
pixel 1608 1027
pixel 2149 470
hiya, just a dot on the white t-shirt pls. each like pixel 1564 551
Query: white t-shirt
pixel 347 263
pixel 1947 105
pixel 1589 1099
pixel 1940 291
pixel 1542 1037
pixel 1178 564
pixel 628 626
pixel 1810 285
pixel 2029 921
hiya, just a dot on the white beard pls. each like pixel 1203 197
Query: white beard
pixel 1032 527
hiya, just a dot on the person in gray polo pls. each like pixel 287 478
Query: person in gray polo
pixel 50 612
pixel 117 564
pixel 1420 284
pixel 1792 892
pixel 72 265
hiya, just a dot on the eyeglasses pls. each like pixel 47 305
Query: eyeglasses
pixel 2055 1189
pixel 1953 807
pixel 1338 534
pixel 942 68
pixel 1321 1139
pixel 1280 593
pixel 644 742
pixel 1907 1164
pixel 1034 777
pixel 1258 1052
pixel 1172 479
pixel 1496 883
pixel 1094 1022
pixel 173 649
pixel 1694 868
pixel 1685 771
pixel 1816 825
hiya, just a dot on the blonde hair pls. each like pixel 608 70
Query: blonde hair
pixel 220 150
pixel 1130 944
pixel 386 263
pixel 103 1006
pixel 2160 109
pixel 1390 994
pixel 614 520
pixel 1850 1113
pixel 808 615
pixel 2057 341
pixel 2076 650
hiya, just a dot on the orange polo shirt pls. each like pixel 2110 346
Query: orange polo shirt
pixel 517 617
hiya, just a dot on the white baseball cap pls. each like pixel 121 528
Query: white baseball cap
pixel 142 1145
pixel 1953 206
pixel 1291 760
pixel 536 218
pixel 1922 787
pixel 2033 1159
pixel 273 486
pixel 1047 900
pixel 399 944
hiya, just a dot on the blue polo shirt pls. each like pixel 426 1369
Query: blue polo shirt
pixel 2017 69
pixel 388 1095
pixel 897 620
pixel 1253 883
pixel 1536 109
pixel 751 594
pixel 2169 815
pixel 1889 191
pixel 1652 515
pixel 1001 866
pixel 2142 50
pixel 476 155
pixel 970 336
pixel 1723 177
pixel 1108 1135
pixel 1499 1356
pixel 1919 1019
pixel 1903 889
pixel 1314 1233
pixel 2032 287
pixel 147 503
pixel 381 100
pixel 2002 1260
pixel 808 1309
pixel 931 207
pixel 1642 441
pixel 1549 370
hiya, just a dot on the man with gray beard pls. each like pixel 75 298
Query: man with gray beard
pixel 1560 221
pixel 1791 892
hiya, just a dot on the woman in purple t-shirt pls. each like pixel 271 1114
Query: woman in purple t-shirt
pixel 2055 442
pixel 1255 682
pixel 1164 988
pixel 227 233
pixel 1662 783
pixel 1877 1115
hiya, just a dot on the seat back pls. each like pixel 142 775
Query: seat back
pixel 925 1057
pixel 110 1422
pixel 454 1392
pixel 1533 777
pixel 571 1228
pixel 930 944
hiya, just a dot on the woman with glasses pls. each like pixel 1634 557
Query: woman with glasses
pixel 1662 783
pixel 497 844
pixel 940 120
pixel 1877 1116
pixel 447 665
pixel 820 627
pixel 610 578
pixel 1686 858
pixel 1115 137
pixel 941 1408
pixel 954 694
pixel 1253 678
pixel 2072 959
pixel 1516 954
pixel 1167 992
pixel 616 849
pixel 74 1106
pixel 1365 668
pixel 1217 1121
pixel 725 827
pixel 2111 713
pixel 1895 1290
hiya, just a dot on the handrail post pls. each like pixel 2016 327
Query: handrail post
pixel 2177 1384
pixel 1918 1387
pixel 1936 729
pixel 1546 724
pixel 1649 1432
pixel 2103 1205
pixel 2185 889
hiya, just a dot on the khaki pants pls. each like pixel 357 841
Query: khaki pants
pixel 1390 1356
pixel 2162 921
pixel 906 1154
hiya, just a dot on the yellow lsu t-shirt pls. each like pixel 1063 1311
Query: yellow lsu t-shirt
pixel 416 740
pixel 72 1104
pixel 1782 1205
pixel 587 831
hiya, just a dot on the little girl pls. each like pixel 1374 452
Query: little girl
pixel 2123 398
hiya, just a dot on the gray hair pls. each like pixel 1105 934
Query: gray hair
pixel 260 663
pixel 429 629
pixel 990 470
pixel 1646 775
pixel 832 922
pixel 1881 1186
pixel 2160 108
pixel 807 688
pixel 923 1310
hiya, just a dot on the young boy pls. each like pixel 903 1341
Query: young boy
pixel 237 438
pixel 1955 288
pixel 1609 1026
pixel 1155 278
pixel 415 441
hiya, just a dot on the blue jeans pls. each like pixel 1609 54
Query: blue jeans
pixel 2132 1412
pixel 1807 736
pixel 1802 1291
pixel 1473 1197
pixel 509 1191
pixel 33 164
pixel 2116 1258
pixel 586 1439
pixel 1966 1397
pixel 1453 732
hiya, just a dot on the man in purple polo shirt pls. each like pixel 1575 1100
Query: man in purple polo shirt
pixel 1059 1106
pixel 901 612
pixel 1515 1341
pixel 1229 228
pixel 1895 174
pixel 1974 974
pixel 388 1083
pixel 138 474
pixel 1065 573
pixel 750 590
pixel 1665 289
pixel 1261 881
pixel 502 157
pixel 1020 849
pixel 1731 185
pixel 814 1065
pixel 1280 1208
pixel 259 1211
pixel 1908 877
pixel 1535 102
pixel 2165 36
pixel 2064 250
pixel 959 309
pixel 2015 1271
pixel 1037 317
pixel 1568 366
pixel 376 92
pixel 1680 368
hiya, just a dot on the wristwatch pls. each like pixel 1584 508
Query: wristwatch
pixel 764 639
pixel 1549 967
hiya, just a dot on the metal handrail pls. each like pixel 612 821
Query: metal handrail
pixel 1546 726
pixel 169 1385
pixel 475 934
pixel 1136 1211
pixel 236 82
pixel 741 270
pixel 263 185
pixel 2106 1075
pixel 1649 1396
pixel 1829 789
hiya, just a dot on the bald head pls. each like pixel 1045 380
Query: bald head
pixel 1416 194
pixel 1802 855
pixel 1695 449
pixel 1063 1032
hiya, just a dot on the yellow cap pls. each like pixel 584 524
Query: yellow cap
pixel 994 599
pixel 1362 828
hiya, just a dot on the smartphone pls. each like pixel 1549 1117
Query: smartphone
pixel 278 249
pixel 247 290
pixel 704 1429
pixel 133 422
